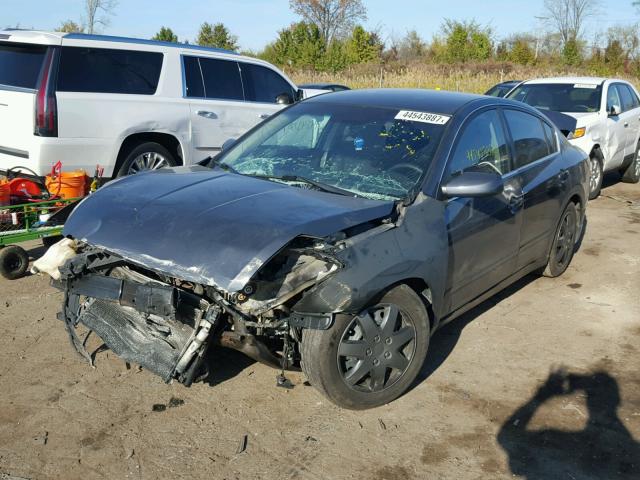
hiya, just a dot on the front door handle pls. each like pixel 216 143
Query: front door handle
pixel 206 114
pixel 264 115
pixel 516 202
pixel 626 124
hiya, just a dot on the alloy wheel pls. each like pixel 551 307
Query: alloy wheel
pixel 565 240
pixel 376 348
pixel 147 161
pixel 595 174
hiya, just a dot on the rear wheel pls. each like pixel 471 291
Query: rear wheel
pixel 564 242
pixel 146 156
pixel 369 359
pixel 595 174
pixel 14 262
pixel 631 174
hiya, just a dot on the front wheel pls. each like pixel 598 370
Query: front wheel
pixel 631 174
pixel 369 359
pixel 564 242
pixel 595 175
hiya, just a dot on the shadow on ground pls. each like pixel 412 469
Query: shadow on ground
pixel 604 449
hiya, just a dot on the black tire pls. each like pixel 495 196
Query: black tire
pixel 328 368
pixel 14 262
pixel 564 242
pixel 631 174
pixel 149 151
pixel 595 174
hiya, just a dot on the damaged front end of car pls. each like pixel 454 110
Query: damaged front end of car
pixel 166 324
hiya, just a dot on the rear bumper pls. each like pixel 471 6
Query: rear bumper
pixel 74 153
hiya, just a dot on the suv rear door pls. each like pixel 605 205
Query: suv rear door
pixel 20 66
pixel 227 98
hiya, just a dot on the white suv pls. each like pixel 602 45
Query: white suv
pixel 126 104
pixel 607 114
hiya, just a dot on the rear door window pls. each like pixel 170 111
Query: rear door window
pixel 482 146
pixel 529 139
pixel 102 70
pixel 262 84
pixel 20 64
pixel 221 79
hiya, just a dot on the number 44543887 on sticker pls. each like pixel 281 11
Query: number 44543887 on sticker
pixel 424 117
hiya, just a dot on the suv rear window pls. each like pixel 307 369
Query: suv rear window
pixel 20 64
pixel 102 70
pixel 263 84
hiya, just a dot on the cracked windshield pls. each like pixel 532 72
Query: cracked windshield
pixel 351 150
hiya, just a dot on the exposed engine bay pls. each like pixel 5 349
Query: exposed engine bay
pixel 166 324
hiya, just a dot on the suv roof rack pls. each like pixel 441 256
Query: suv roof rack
pixel 143 41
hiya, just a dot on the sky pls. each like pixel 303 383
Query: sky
pixel 256 22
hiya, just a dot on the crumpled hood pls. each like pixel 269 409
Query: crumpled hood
pixel 207 226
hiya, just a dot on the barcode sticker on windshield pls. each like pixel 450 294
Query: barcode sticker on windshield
pixel 585 85
pixel 423 117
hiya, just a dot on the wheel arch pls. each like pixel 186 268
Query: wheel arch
pixel 167 140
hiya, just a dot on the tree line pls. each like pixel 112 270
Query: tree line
pixel 330 37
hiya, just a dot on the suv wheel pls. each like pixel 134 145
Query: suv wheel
pixel 595 174
pixel 632 173
pixel 369 359
pixel 146 156
pixel 564 242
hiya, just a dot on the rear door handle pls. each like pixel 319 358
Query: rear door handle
pixel 264 115
pixel 206 114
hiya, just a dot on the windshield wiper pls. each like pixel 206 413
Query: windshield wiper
pixel 319 185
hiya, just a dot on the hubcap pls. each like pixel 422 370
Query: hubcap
pixel 565 239
pixel 376 348
pixel 594 178
pixel 147 161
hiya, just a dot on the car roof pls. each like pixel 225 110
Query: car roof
pixel 36 36
pixel 436 101
pixel 591 80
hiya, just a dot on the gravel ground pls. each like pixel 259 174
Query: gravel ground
pixel 540 382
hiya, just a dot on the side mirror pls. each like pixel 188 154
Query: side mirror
pixel 284 99
pixel 473 184
pixel 228 143
pixel 614 111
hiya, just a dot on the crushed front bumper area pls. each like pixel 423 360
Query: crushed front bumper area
pixel 162 328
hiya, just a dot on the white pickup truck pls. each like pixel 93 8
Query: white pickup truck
pixel 607 113
pixel 126 104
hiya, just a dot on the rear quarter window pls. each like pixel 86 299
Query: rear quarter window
pixel 20 64
pixel 101 70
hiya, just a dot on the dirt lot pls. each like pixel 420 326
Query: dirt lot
pixel 486 405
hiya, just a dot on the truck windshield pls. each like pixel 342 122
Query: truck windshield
pixel 372 152
pixel 560 97
pixel 20 64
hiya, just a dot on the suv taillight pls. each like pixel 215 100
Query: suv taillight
pixel 46 123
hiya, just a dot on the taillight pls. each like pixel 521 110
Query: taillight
pixel 46 122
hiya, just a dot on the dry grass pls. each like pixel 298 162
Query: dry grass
pixel 475 78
